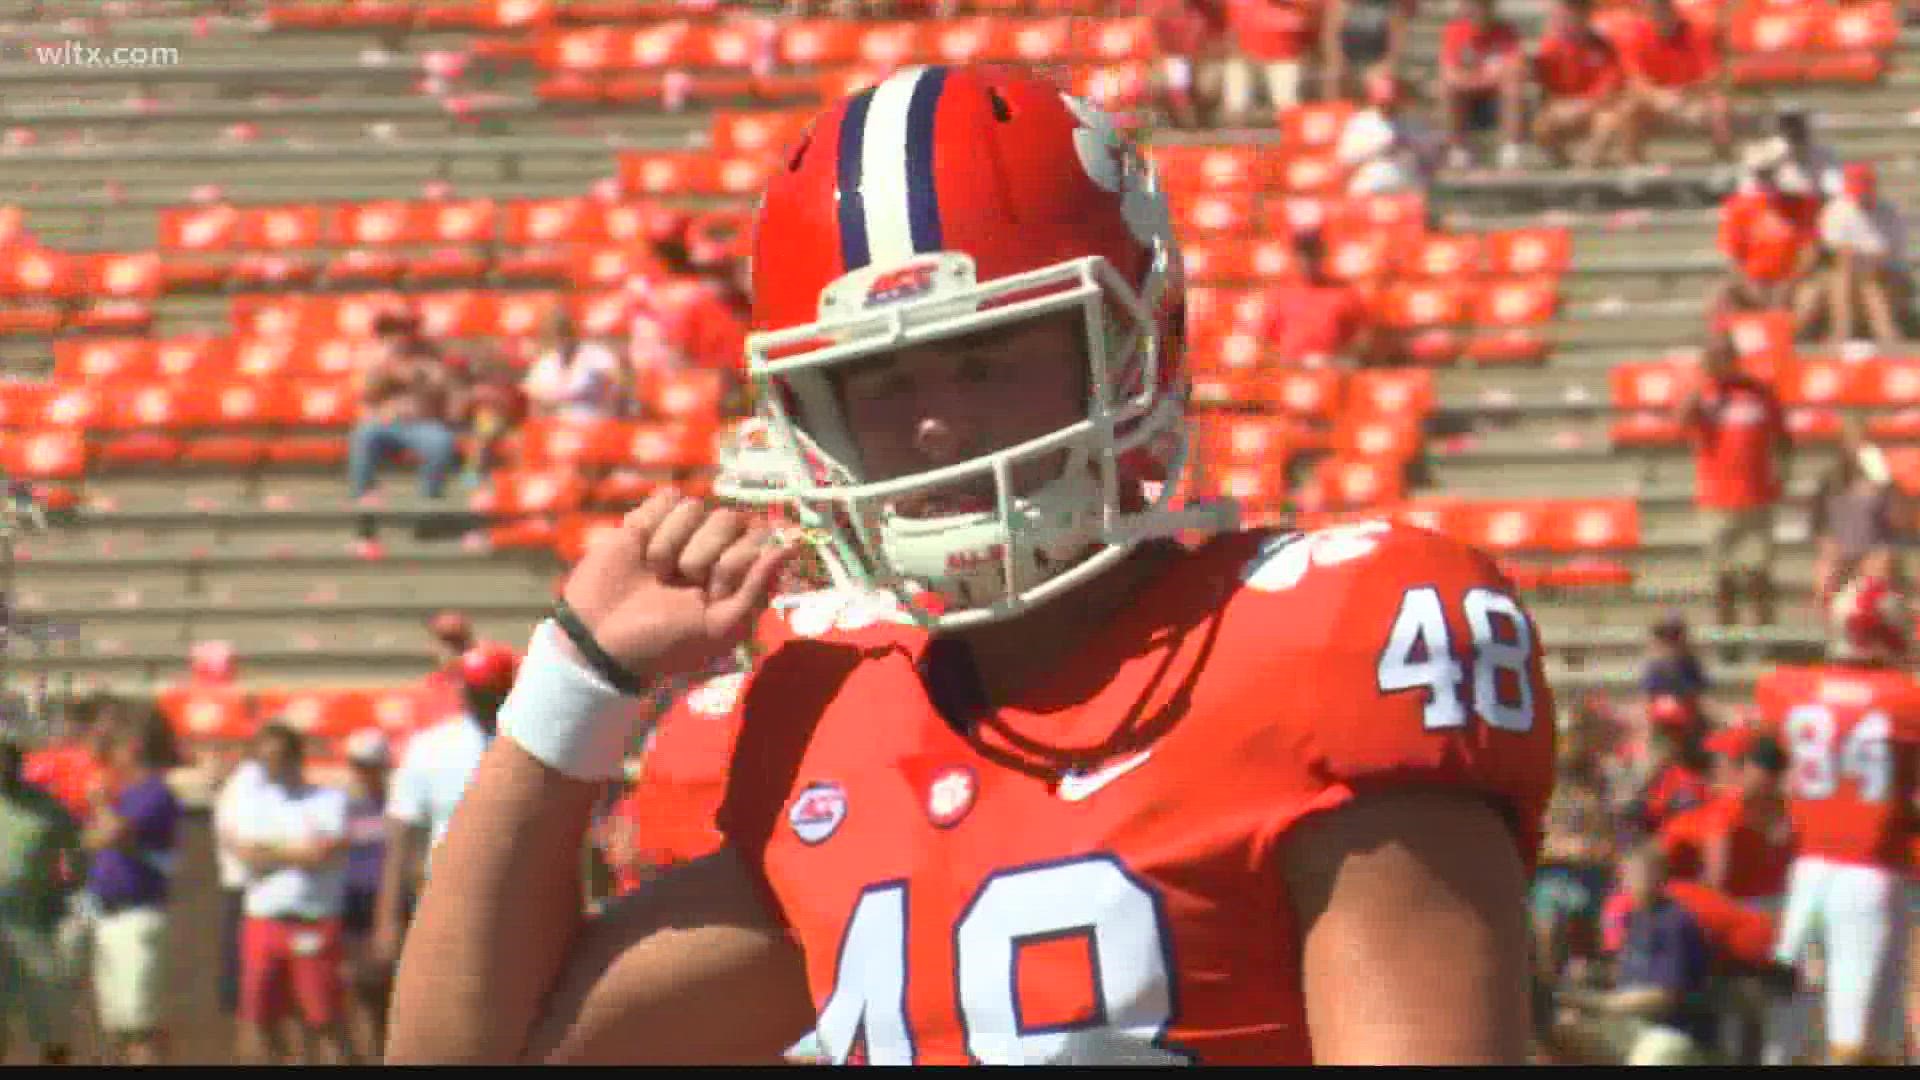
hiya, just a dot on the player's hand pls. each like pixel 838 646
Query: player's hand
pixel 679 583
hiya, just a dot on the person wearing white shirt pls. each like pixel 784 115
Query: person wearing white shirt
pixel 434 772
pixel 1385 150
pixel 1867 240
pixel 292 836
pixel 574 379
pixel 1810 166
pixel 233 876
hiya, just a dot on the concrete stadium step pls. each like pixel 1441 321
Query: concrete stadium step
pixel 343 629
pixel 83 600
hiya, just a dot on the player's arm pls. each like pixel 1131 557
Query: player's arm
pixel 1412 905
pixel 503 966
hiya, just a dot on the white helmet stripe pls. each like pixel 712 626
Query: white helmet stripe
pixel 884 149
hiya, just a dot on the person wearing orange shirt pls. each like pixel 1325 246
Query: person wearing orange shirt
pixel 1582 87
pixel 1674 80
pixel 1316 318
pixel 1741 841
pixel 1741 459
pixel 1770 237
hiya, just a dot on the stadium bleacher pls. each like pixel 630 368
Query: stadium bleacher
pixel 195 249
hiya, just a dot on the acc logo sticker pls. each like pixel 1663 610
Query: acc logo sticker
pixel 818 811
pixel 906 283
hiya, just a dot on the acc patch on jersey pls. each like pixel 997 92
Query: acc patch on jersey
pixel 817 811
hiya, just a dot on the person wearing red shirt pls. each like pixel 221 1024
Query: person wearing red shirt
pixel 1770 237
pixel 1741 458
pixel 1316 318
pixel 1271 38
pixel 1482 81
pixel 1582 87
pixel 1741 841
pixel 1674 80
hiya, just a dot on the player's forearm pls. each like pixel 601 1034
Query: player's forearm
pixel 498 915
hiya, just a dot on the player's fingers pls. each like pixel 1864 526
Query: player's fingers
pixel 757 587
pixel 708 542
pixel 604 573
pixel 670 538
pixel 730 569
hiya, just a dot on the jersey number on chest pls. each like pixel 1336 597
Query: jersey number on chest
pixel 1865 755
pixel 1093 897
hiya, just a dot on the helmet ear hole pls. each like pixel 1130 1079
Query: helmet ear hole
pixel 1002 111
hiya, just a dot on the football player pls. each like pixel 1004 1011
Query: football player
pixel 1039 784
pixel 1850 728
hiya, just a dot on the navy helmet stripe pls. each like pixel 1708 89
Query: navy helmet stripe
pixel 854 248
pixel 923 200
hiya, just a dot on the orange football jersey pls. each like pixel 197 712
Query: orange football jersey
pixel 684 774
pixel 1090 874
pixel 1850 734
pixel 1757 863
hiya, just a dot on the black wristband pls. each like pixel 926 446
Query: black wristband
pixel 604 665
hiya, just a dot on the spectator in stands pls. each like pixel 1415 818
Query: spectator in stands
pixel 433 774
pixel 1742 458
pixel 1674 80
pixel 1671 776
pixel 575 379
pixel 1186 35
pixel 495 405
pixel 1769 237
pixel 407 401
pixel 367 980
pixel 228 804
pixel 1855 513
pixel 1656 1012
pixel 1811 168
pixel 1386 149
pixel 292 835
pixel 1582 86
pixel 1269 43
pixel 1358 35
pixel 1740 841
pixel 133 834
pixel 1482 83
pixel 1866 241
pixel 1316 319
pixel 1672 668
pixel 39 838
pixel 1576 862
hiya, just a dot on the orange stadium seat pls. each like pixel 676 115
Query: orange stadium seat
pixel 1770 41
pixel 575 531
pixel 22 403
pixel 1391 392
pixel 39 274
pixel 1350 483
pixel 621 489
pixel 193 356
pixel 671 445
pixel 547 442
pixel 102 359
pixel 1219 212
pixel 1395 438
pixel 1446 256
pixel 1317 392
pixel 319 713
pixel 198 713
pixel 1307 128
pixel 45 455
pixel 1520 252
pixel 531 491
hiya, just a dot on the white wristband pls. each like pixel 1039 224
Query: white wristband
pixel 565 715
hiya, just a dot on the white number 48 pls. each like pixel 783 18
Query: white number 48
pixel 1419 655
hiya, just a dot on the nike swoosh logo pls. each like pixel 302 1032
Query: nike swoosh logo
pixel 1077 786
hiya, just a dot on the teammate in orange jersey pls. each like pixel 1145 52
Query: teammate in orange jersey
pixel 1038 785
pixel 1851 727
